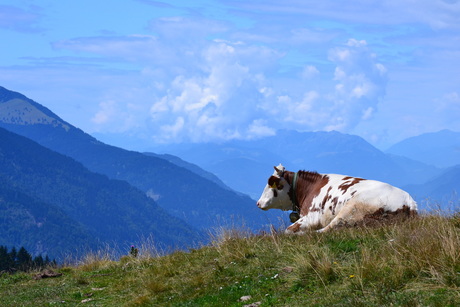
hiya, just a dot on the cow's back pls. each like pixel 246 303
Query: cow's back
pixel 343 192
pixel 383 195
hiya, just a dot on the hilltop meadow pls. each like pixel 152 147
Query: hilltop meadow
pixel 414 263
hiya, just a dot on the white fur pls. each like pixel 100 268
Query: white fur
pixel 360 199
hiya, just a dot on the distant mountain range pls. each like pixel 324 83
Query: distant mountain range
pixel 198 198
pixel 441 192
pixel 441 149
pixel 325 152
pixel 52 204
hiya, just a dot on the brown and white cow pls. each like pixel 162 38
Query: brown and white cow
pixel 325 201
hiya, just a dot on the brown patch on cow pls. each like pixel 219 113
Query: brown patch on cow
pixel 294 227
pixel 334 201
pixel 309 185
pixel 381 217
pixel 275 180
pixel 346 185
pixel 326 198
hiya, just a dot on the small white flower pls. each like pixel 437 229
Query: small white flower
pixel 245 298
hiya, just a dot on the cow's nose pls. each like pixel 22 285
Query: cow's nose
pixel 258 205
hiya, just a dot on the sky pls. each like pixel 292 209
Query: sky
pixel 142 72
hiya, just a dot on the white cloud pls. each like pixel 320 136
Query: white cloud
pixel 361 83
pixel 356 43
pixel 218 98
pixel 309 72
pixel 171 132
pixel 367 113
pixel 225 94
pixel 247 68
pixel 105 113
pixel 260 128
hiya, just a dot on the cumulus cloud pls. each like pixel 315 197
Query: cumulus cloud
pixel 239 69
pixel 105 113
pixel 205 89
pixel 226 92
pixel 220 100
pixel 360 84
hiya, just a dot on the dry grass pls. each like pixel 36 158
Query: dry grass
pixel 415 263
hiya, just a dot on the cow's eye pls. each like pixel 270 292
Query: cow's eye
pixel 275 192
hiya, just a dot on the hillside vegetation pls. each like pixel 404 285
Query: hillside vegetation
pixel 416 263
pixel 53 205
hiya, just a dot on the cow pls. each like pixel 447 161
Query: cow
pixel 326 201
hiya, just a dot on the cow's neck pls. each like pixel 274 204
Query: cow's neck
pixel 292 179
pixel 294 199
pixel 304 188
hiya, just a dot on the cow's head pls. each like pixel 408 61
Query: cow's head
pixel 276 192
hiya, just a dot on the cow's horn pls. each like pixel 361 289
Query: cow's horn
pixel 279 169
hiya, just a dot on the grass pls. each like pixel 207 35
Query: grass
pixel 415 263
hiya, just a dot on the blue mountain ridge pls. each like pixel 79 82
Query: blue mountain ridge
pixel 246 165
pixel 52 204
pixel 201 203
pixel 441 149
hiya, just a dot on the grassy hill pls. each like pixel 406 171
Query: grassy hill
pixel 412 264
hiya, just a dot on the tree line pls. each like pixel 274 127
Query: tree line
pixel 21 260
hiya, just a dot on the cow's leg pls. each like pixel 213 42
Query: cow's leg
pixel 304 224
pixel 351 213
pixel 295 228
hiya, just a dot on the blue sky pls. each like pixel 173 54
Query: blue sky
pixel 208 70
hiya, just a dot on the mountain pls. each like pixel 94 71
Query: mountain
pixel 191 167
pixel 42 228
pixel 418 172
pixel 44 190
pixel 443 191
pixel 246 165
pixel 201 203
pixel 441 149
